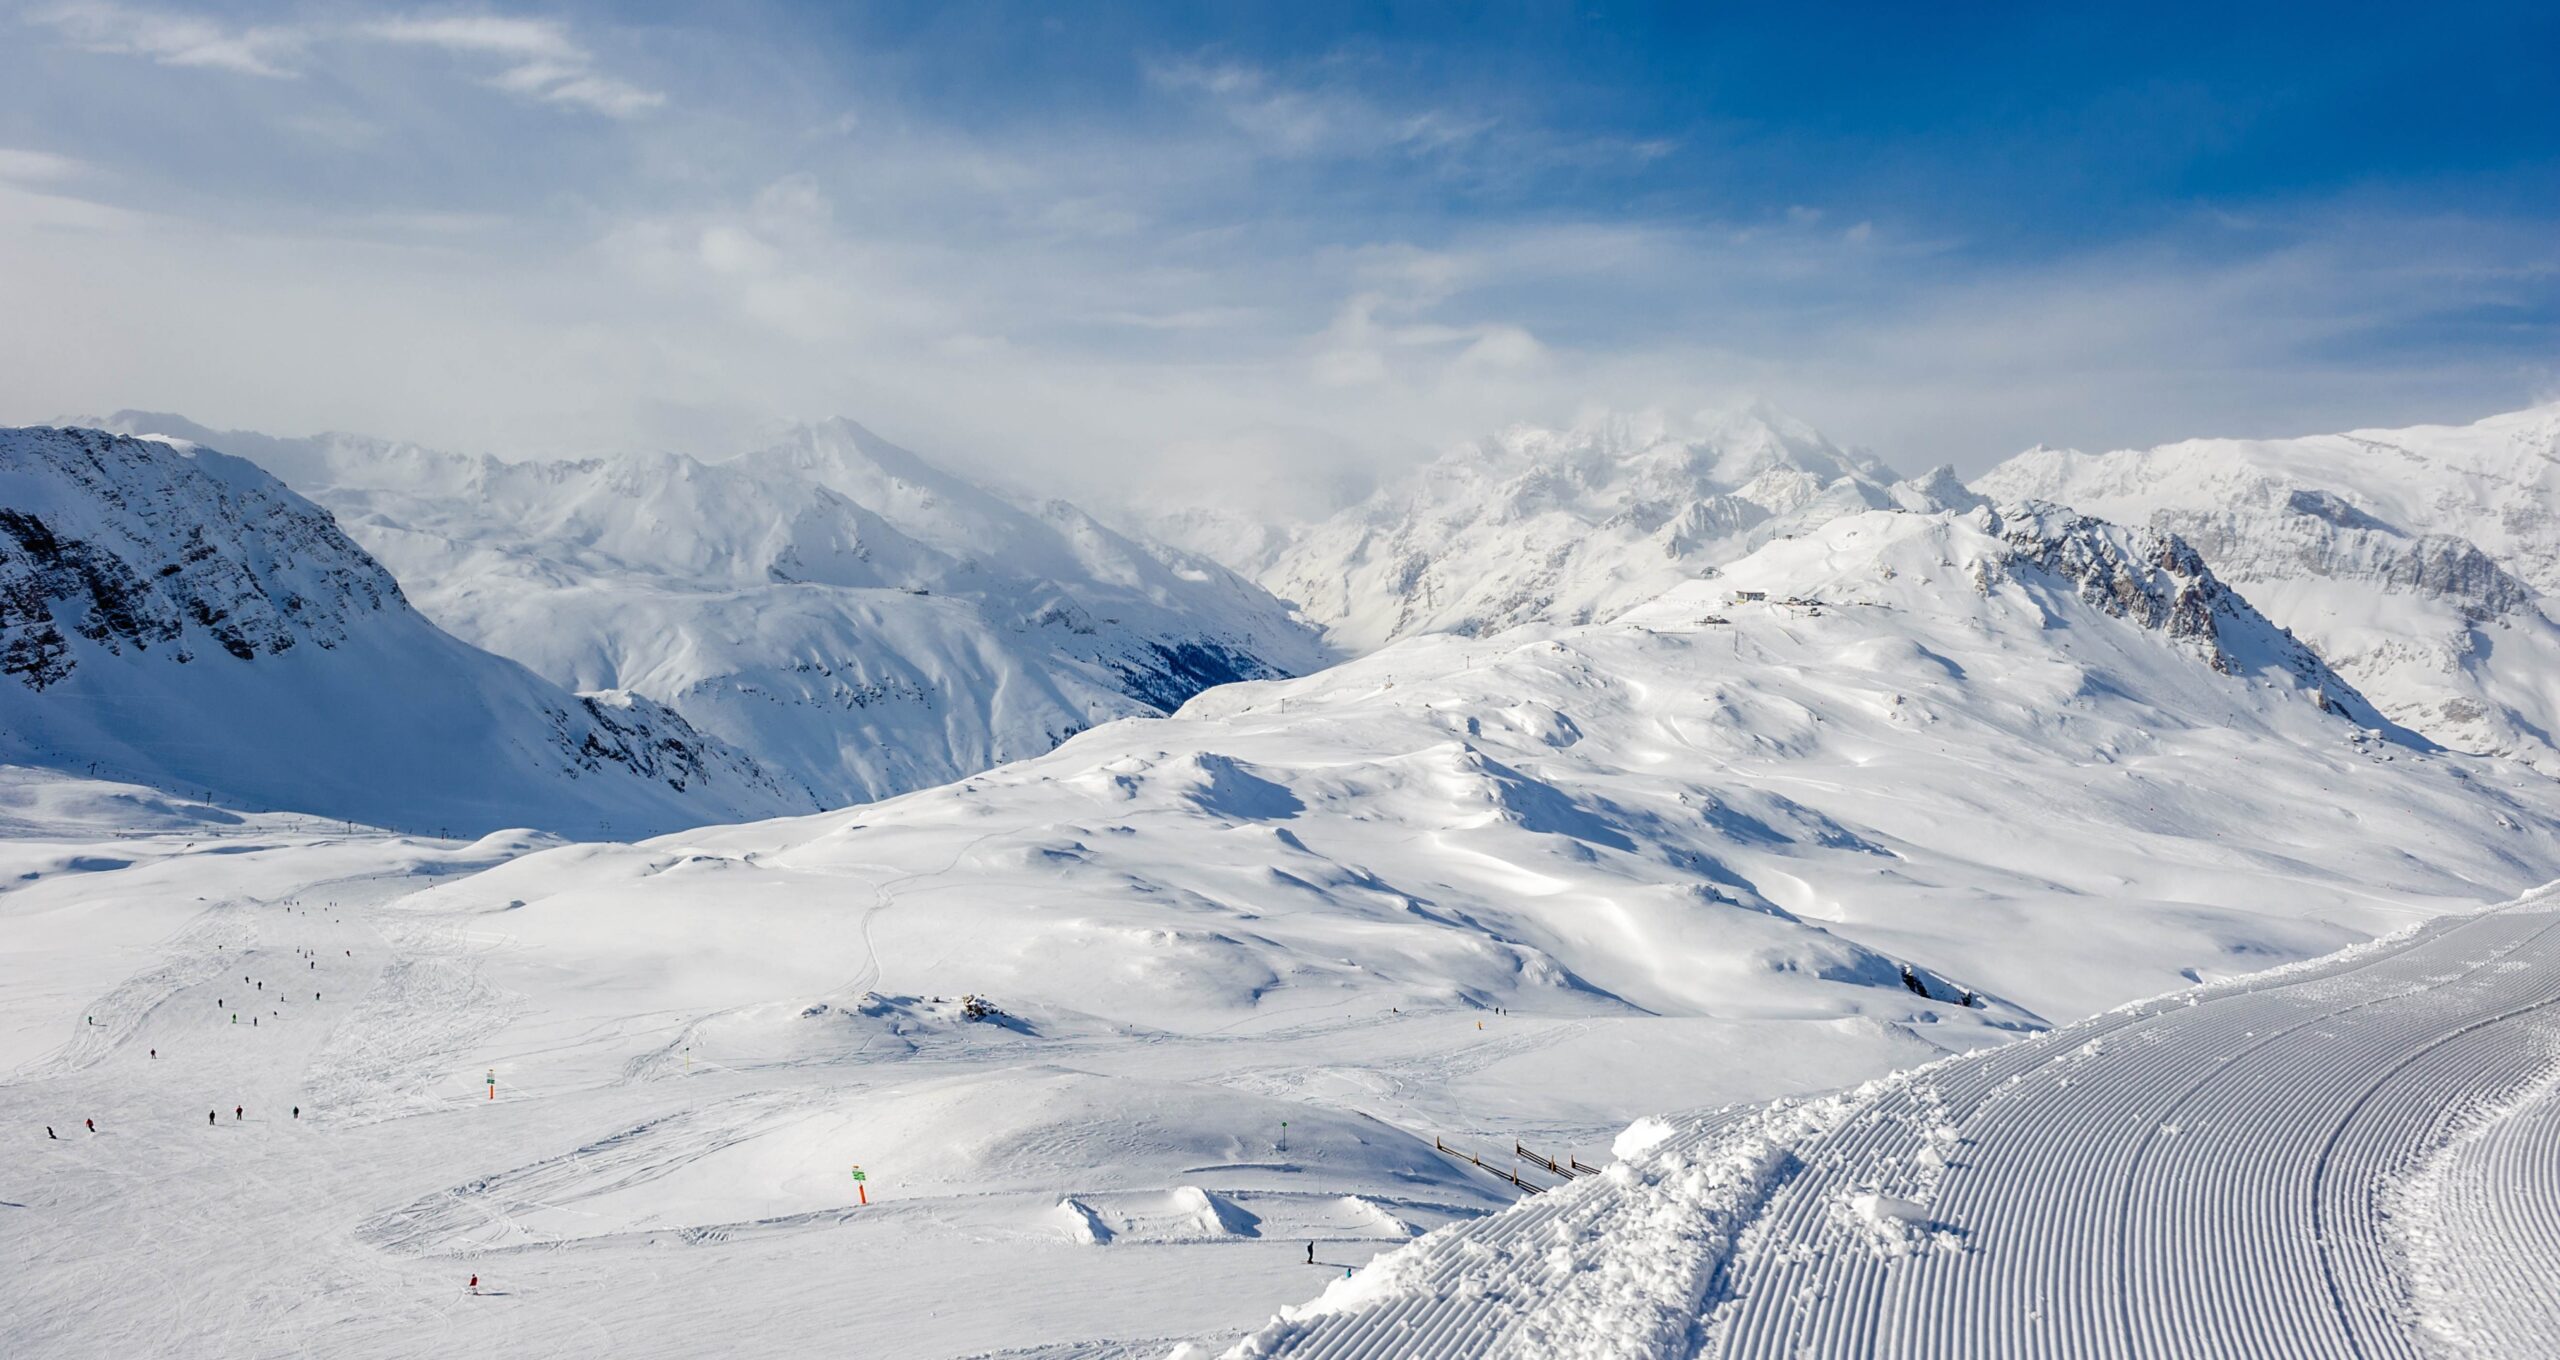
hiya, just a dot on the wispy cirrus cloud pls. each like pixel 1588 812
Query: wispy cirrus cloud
pixel 543 61
pixel 538 58
pixel 175 39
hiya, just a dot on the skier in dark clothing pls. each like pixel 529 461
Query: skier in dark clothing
pixel 297 1112
pixel 48 1132
pixel 235 1111
pixel 93 1124
pixel 208 1116
pixel 1311 1253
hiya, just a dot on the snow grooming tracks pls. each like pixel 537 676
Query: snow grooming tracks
pixel 2207 1174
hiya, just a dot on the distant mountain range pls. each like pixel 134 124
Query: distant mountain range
pixel 859 621
pixel 1560 526
pixel 173 616
pixel 2422 563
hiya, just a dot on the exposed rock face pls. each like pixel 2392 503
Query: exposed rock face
pixel 861 621
pixel 2155 580
pixel 166 564
pixel 2421 562
pixel 174 615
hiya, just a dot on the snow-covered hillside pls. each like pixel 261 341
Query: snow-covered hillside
pixel 174 616
pixel 2423 563
pixel 1562 526
pixel 1144 1018
pixel 2038 758
pixel 2349 1158
pixel 860 621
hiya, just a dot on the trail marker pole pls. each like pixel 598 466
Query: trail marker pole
pixel 493 1083
pixel 1284 1136
pixel 858 1187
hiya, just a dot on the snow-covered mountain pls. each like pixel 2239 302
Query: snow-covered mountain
pixel 1241 976
pixel 860 621
pixel 2034 756
pixel 175 616
pixel 2422 562
pixel 1563 526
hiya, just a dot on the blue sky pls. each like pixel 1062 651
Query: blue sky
pixel 1078 241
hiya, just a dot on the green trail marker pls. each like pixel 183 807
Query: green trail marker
pixel 859 1187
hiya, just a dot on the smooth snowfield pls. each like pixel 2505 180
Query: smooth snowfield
pixel 2223 1172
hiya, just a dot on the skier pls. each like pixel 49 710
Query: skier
pixel 297 1112
pixel 208 1116
pixel 93 1124
pixel 48 1132
pixel 475 1284
pixel 1311 1253
pixel 155 1053
pixel 235 1111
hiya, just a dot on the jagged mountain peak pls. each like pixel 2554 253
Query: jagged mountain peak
pixel 2419 561
pixel 841 607
pixel 173 615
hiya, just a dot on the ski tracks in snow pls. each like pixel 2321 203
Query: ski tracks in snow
pixel 2350 1157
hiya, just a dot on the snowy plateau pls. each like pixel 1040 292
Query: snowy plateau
pixel 1653 889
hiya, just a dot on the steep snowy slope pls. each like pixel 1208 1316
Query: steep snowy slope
pixel 2421 562
pixel 175 616
pixel 1567 526
pixel 856 619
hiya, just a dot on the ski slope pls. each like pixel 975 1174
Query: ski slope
pixel 2347 1157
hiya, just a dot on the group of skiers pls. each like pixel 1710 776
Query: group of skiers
pixel 238 1112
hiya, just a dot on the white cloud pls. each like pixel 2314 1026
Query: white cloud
pixel 548 64
pixel 544 61
pixel 32 166
pixel 174 39
pixel 491 34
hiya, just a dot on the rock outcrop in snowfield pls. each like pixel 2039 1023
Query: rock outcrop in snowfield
pixel 175 616
pixel 2270 1167
pixel 861 622
pixel 1571 526
pixel 2421 562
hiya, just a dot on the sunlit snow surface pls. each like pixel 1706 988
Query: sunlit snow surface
pixel 1526 887
pixel 2261 1168
pixel 2421 562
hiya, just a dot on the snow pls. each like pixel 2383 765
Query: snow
pixel 1773 880
pixel 1567 526
pixel 858 620
pixel 2067 1223
pixel 179 619
pixel 2420 562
